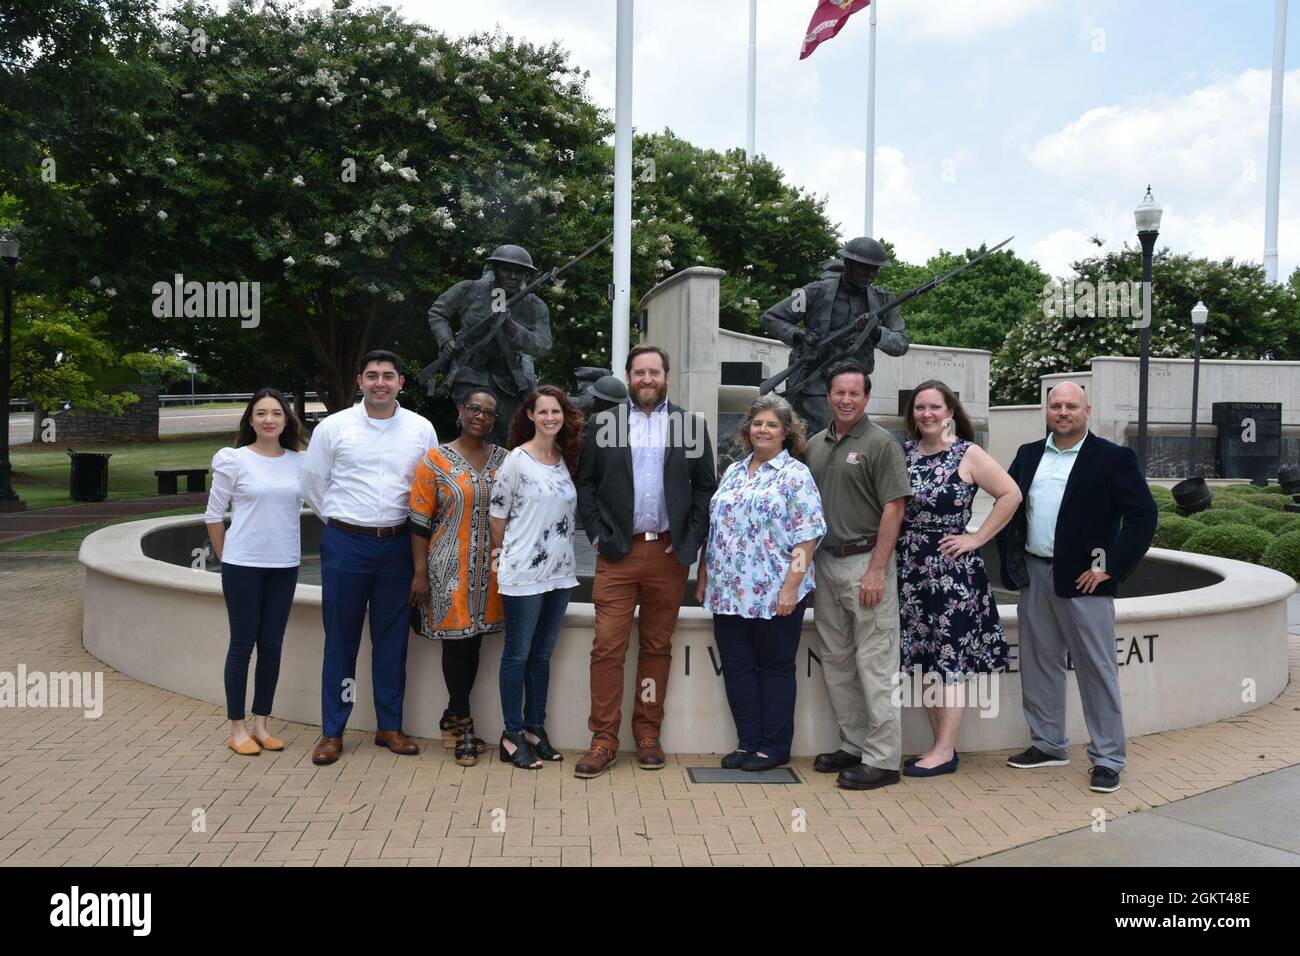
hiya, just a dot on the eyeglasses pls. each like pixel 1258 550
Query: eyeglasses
pixel 478 411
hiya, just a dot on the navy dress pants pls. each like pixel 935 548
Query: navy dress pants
pixel 359 573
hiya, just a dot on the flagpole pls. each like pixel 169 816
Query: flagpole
pixel 752 99
pixel 1275 142
pixel 871 124
pixel 620 319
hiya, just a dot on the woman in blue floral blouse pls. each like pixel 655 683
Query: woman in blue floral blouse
pixel 755 575
pixel 950 630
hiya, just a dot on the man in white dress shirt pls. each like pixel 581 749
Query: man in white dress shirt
pixel 357 478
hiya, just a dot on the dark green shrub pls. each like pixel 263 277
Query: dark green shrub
pixel 1283 555
pixel 1271 502
pixel 1279 523
pixel 1168 508
pixel 1173 530
pixel 1274 490
pixel 1161 494
pixel 1220 516
pixel 1234 541
pixel 1238 490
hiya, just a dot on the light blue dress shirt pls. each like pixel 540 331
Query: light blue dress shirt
pixel 1045 494
pixel 646 436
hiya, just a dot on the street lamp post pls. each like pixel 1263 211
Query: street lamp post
pixel 9 501
pixel 1200 315
pixel 1147 216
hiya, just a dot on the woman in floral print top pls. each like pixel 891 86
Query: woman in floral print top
pixel 765 520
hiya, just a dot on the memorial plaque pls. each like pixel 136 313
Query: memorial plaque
pixel 742 373
pixel 1250 439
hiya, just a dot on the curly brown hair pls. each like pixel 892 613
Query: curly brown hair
pixel 796 431
pixel 571 434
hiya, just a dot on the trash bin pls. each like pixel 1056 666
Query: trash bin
pixel 89 475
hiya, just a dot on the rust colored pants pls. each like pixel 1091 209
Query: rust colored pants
pixel 656 580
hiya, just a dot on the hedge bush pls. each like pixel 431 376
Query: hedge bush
pixel 1239 490
pixel 1271 502
pixel 1161 494
pixel 1279 523
pixel 1239 542
pixel 1283 554
pixel 1221 516
pixel 1172 531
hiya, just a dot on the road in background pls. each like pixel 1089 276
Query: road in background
pixel 171 421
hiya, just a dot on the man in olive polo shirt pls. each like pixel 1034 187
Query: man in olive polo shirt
pixel 862 477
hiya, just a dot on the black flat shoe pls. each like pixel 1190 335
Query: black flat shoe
pixel 733 760
pixel 756 763
pixel 948 766
pixel 542 745
pixel 523 757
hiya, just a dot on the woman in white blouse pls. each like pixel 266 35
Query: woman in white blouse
pixel 260 479
pixel 533 516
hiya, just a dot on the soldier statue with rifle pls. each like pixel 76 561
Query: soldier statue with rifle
pixel 843 316
pixel 830 304
pixel 504 329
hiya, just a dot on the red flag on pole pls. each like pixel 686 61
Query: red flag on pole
pixel 827 20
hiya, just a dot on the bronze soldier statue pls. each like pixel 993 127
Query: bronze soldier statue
pixel 828 305
pixel 506 363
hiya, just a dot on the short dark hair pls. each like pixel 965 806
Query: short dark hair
pixel 380 355
pixel 850 367
pixel 642 349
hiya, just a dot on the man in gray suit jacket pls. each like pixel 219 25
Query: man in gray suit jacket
pixel 644 483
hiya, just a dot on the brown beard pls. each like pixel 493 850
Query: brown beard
pixel 660 394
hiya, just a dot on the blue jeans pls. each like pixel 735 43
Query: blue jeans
pixel 258 602
pixel 532 628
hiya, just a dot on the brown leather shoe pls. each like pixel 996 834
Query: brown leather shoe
pixel 594 762
pixel 649 755
pixel 327 751
pixel 397 742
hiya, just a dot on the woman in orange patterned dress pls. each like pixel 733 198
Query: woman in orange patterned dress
pixel 454 592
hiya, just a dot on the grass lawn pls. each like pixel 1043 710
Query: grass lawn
pixel 41 475
pixel 69 539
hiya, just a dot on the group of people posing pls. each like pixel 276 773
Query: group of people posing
pixel 468 538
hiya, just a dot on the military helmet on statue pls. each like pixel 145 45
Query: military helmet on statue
pixel 514 255
pixel 866 250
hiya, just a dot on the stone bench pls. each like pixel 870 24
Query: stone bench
pixel 195 479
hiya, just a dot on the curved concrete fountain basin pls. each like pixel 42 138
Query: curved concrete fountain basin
pixel 1199 639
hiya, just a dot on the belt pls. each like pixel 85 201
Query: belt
pixel 848 550
pixel 1038 557
pixel 651 535
pixel 366 532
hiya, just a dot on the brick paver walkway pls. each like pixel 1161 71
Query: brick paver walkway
pixel 126 788
pixel 21 524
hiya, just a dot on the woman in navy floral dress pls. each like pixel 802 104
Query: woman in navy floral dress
pixel 950 630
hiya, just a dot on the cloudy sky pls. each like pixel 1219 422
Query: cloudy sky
pixel 1042 118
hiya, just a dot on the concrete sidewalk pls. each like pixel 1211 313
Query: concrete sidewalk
pixel 1252 823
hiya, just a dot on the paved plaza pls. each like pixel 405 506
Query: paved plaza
pixel 128 787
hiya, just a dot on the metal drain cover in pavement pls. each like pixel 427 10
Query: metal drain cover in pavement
pixel 719 775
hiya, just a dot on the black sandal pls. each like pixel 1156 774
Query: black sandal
pixel 543 746
pixel 467 749
pixel 523 757
pixel 454 729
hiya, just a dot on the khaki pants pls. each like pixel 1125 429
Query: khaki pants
pixel 859 652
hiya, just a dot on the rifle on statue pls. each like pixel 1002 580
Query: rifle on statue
pixel 837 345
pixel 467 344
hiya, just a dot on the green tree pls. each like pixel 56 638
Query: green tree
pixel 1250 318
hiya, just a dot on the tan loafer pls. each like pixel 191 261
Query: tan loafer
pixel 249 748
pixel 327 751
pixel 268 742
pixel 397 742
